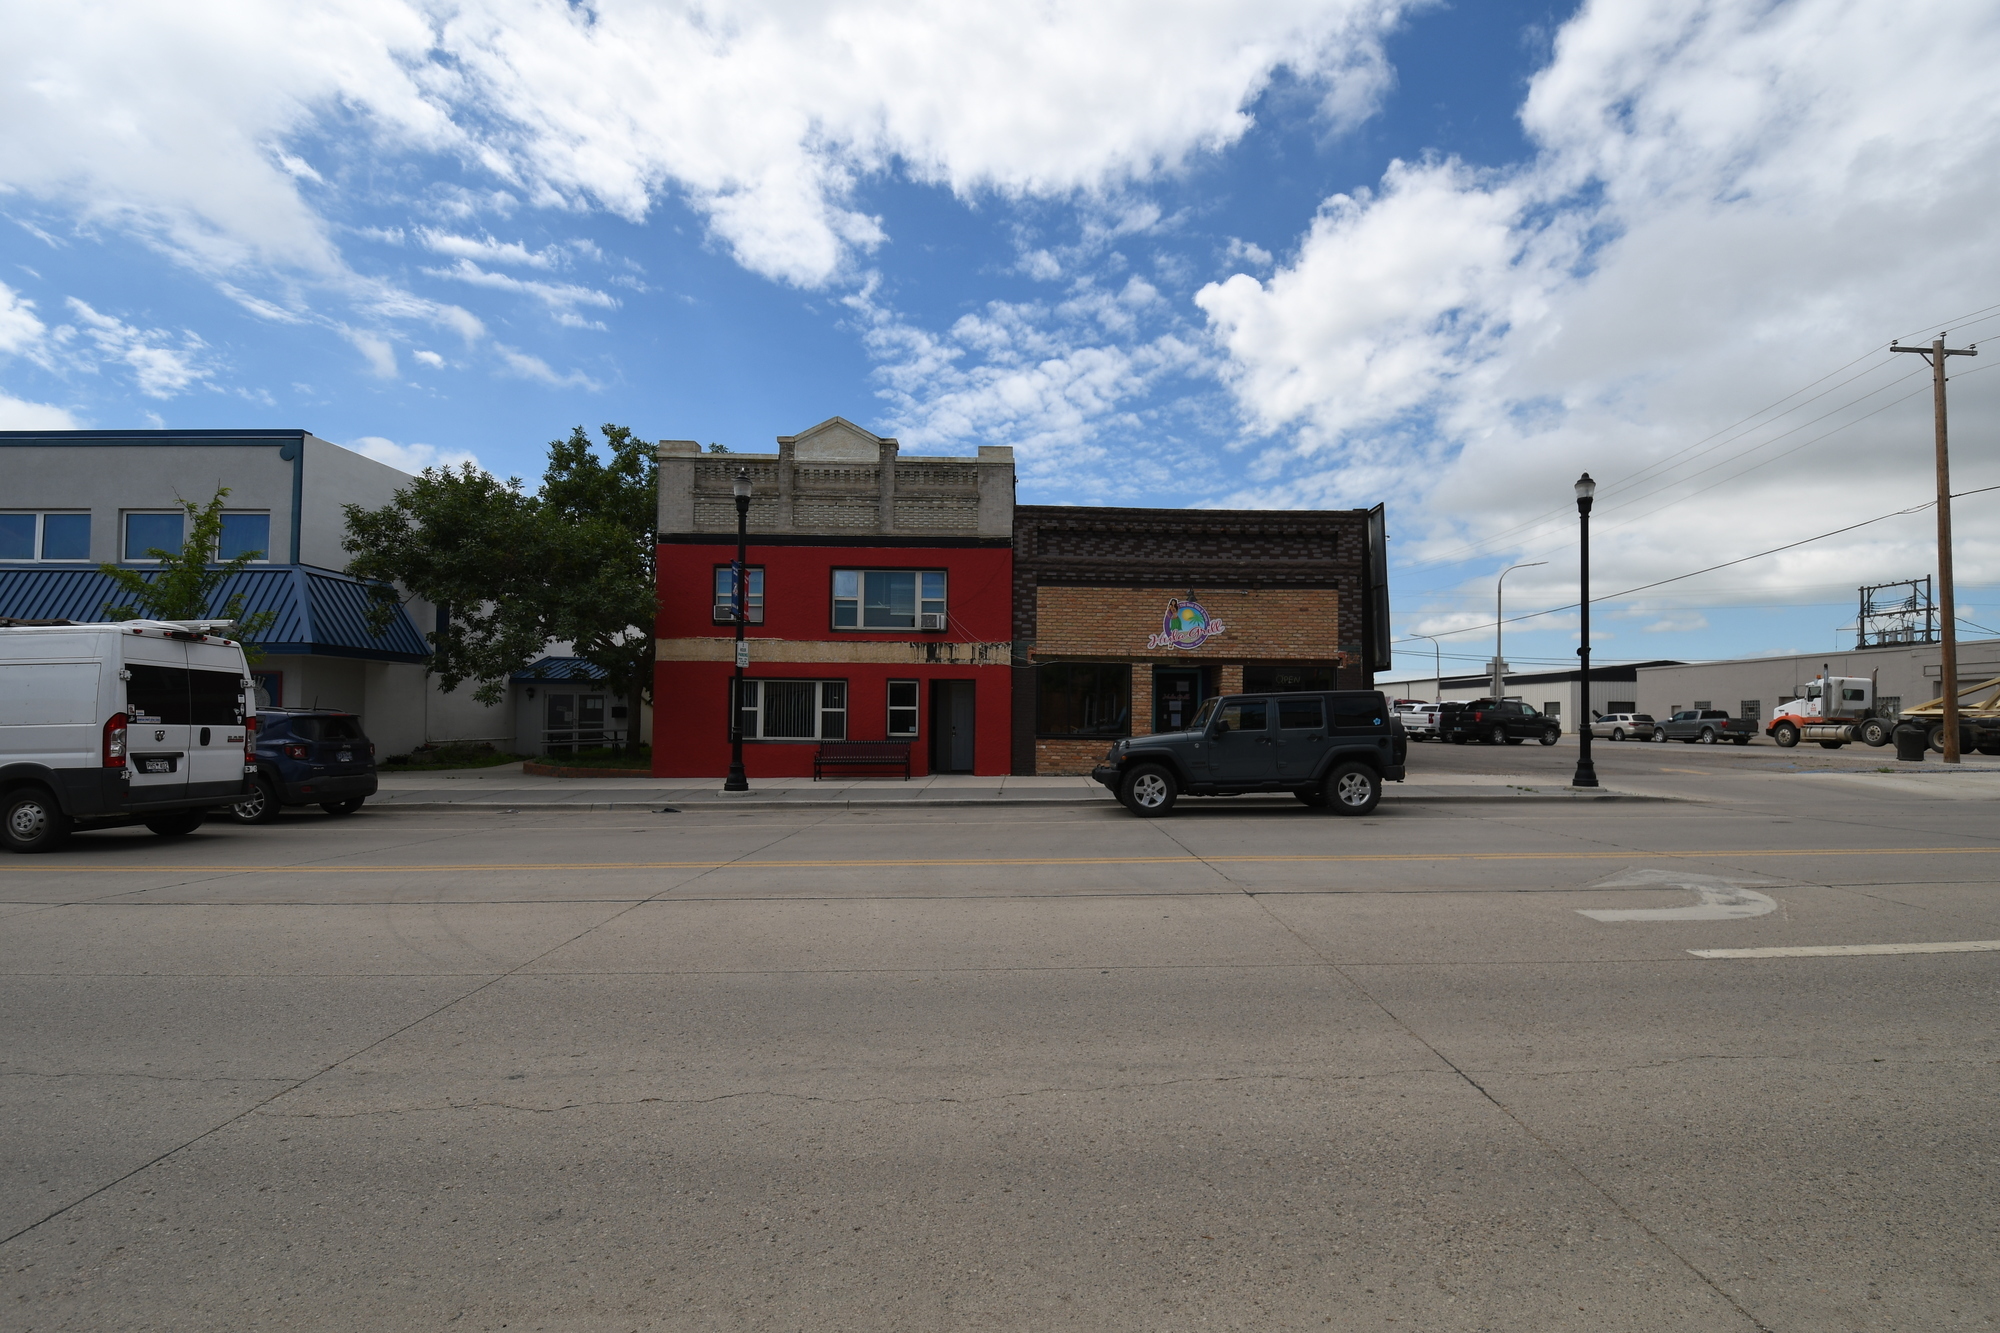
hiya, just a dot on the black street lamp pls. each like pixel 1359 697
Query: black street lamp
pixel 739 579
pixel 1586 772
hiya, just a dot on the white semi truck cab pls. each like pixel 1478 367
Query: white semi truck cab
pixel 1834 711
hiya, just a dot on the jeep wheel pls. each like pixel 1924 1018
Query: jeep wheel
pixel 1354 789
pixel 32 820
pixel 260 806
pixel 1785 734
pixel 1551 736
pixel 176 825
pixel 1148 791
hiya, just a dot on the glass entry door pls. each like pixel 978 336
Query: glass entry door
pixel 573 721
pixel 1176 695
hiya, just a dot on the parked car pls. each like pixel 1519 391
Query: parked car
pixel 1419 719
pixel 1331 750
pixel 133 722
pixel 1496 722
pixel 308 756
pixel 1705 726
pixel 1624 726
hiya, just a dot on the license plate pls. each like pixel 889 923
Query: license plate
pixel 156 765
pixel 345 756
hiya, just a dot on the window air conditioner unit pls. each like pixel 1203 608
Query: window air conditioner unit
pixel 726 611
pixel 931 620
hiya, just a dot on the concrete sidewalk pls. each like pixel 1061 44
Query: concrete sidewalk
pixel 507 787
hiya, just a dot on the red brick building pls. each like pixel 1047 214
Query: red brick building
pixel 881 604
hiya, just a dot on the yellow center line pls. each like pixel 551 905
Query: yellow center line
pixel 1000 862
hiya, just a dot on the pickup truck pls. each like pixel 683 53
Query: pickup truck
pixel 1705 726
pixel 1419 719
pixel 1496 722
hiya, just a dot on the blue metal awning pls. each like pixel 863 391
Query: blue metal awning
pixel 560 668
pixel 319 611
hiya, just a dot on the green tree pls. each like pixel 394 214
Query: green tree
pixel 574 562
pixel 185 583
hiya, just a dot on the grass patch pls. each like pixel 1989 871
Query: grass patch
pixel 427 757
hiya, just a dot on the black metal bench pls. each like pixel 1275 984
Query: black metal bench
pixel 861 754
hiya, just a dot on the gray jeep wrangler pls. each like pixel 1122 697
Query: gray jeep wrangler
pixel 1332 749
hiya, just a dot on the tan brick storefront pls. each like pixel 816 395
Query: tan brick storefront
pixel 1281 594
pixel 1277 624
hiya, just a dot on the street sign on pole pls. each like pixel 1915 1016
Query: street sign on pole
pixel 742 653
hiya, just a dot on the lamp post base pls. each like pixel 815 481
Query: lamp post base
pixel 1586 774
pixel 737 781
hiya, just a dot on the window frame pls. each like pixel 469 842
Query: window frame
pixel 227 514
pixel 914 708
pixel 756 602
pixel 753 717
pixel 38 536
pixel 125 517
pixel 923 605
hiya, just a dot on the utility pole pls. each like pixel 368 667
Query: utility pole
pixel 1437 665
pixel 1947 603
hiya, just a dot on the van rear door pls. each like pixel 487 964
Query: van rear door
pixel 156 702
pixel 216 715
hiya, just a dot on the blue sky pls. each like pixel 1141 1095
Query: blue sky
pixel 1280 253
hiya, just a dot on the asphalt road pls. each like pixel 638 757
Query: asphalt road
pixel 1250 1067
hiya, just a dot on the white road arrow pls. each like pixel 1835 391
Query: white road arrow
pixel 1721 899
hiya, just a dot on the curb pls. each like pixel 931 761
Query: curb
pixel 710 803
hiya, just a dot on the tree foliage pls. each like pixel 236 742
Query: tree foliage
pixel 184 584
pixel 574 561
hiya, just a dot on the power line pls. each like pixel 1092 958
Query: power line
pixel 1742 559
pixel 1982 315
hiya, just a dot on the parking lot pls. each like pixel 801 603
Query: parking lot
pixel 1020 1066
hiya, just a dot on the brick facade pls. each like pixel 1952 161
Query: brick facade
pixel 1092 584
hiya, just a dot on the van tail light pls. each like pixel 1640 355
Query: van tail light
pixel 114 741
pixel 295 752
pixel 371 749
pixel 250 739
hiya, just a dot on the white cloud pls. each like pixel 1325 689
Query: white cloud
pixel 180 124
pixel 160 370
pixel 1729 200
pixel 412 458
pixel 530 367
pixel 20 331
pixel 19 414
pixel 487 249
pixel 376 350
pixel 428 358
pixel 554 295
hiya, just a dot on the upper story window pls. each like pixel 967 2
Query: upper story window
pixel 242 534
pixel 889 599
pixel 44 536
pixel 145 533
pixel 724 612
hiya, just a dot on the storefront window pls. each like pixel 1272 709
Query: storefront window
pixel 1290 676
pixel 902 708
pixel 795 710
pixel 1083 699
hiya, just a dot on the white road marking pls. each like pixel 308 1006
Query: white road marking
pixel 1848 950
pixel 1721 899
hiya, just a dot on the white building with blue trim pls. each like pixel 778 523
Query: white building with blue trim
pixel 73 500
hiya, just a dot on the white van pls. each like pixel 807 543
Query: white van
pixel 139 721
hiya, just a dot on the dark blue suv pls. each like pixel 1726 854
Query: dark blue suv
pixel 308 756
